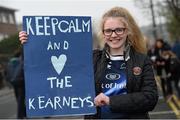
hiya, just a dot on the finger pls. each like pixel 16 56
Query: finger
pixel 99 102
pixel 23 39
pixel 96 101
pixel 22 32
pixel 23 35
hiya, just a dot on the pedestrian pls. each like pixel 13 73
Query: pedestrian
pixel 173 74
pixel 15 76
pixel 159 62
pixel 125 83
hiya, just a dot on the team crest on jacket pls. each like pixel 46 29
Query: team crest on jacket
pixel 137 70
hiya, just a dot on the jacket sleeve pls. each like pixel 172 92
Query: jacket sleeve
pixel 141 101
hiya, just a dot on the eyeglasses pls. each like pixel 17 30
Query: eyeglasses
pixel 118 31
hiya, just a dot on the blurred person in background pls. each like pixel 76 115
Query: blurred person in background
pixel 172 64
pixel 159 62
pixel 123 64
pixel 176 48
pixel 15 75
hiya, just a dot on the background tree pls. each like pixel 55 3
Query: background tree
pixel 173 18
pixel 8 45
pixel 168 9
pixel 147 6
pixel 7 48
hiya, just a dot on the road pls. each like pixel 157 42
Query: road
pixel 8 106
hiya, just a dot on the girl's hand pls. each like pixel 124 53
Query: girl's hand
pixel 23 37
pixel 101 100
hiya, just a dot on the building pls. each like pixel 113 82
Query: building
pixel 7 22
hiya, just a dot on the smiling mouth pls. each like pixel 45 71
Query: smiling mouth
pixel 115 41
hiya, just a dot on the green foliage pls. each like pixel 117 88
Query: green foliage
pixel 173 26
pixel 9 45
pixel 172 16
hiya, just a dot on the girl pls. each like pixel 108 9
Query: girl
pixel 125 83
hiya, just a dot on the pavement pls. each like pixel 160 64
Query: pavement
pixel 168 108
pixel 5 91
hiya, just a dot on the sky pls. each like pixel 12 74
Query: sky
pixel 93 8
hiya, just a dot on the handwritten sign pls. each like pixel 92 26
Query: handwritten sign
pixel 58 66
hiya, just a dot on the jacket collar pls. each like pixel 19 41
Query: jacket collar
pixel 126 52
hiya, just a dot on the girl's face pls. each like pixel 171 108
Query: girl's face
pixel 115 33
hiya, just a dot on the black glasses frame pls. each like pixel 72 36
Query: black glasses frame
pixel 115 30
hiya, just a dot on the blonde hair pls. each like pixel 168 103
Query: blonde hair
pixel 135 37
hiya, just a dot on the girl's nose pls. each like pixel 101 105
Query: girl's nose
pixel 114 34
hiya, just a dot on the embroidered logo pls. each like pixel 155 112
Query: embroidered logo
pixel 137 70
pixel 113 76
